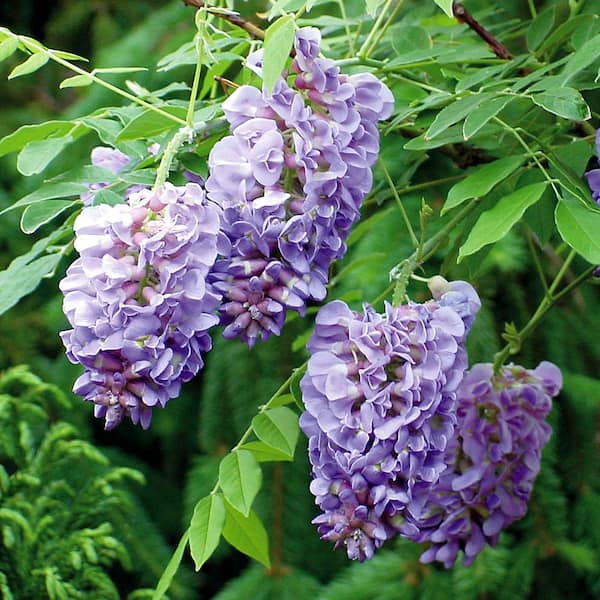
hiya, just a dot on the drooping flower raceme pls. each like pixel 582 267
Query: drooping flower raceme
pixel 138 300
pixel 289 182
pixel 493 460
pixel 380 397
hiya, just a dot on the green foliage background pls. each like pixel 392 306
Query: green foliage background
pixel 89 514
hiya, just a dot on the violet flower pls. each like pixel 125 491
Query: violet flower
pixel 380 397
pixel 289 183
pixel 138 300
pixel 493 460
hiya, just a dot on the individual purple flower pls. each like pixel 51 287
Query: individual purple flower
pixel 593 176
pixel 493 460
pixel 112 160
pixel 138 300
pixel 109 158
pixel 380 396
pixel 289 182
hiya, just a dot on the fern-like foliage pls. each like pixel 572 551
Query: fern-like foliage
pixel 62 504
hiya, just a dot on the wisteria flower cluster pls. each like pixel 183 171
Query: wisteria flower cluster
pixel 289 182
pixel 380 397
pixel 492 460
pixel 403 441
pixel 138 300
pixel 282 193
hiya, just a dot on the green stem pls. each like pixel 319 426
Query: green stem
pixel 349 36
pixel 416 187
pixel 280 391
pixel 109 86
pixel 411 232
pixel 385 27
pixel 536 259
pixel 363 52
pixel 184 134
pixel 550 298
pixel 431 245
pixel 355 60
pixel 531 153
pixel 425 86
pixel 194 92
pixel 402 272
pixel 532 8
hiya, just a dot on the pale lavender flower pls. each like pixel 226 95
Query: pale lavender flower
pixel 289 182
pixel 380 395
pixel 112 160
pixel 138 300
pixel 493 460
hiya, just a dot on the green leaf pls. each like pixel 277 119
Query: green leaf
pixel 105 196
pixel 33 63
pixel 295 386
pixel 282 400
pixel 482 180
pixel 495 223
pixel 574 155
pixel 49 191
pixel 8 47
pixel 279 39
pixel 539 28
pixel 29 133
pixel 278 428
pixel 68 55
pixel 372 6
pixel 37 249
pixel 76 81
pixel 564 167
pixel 36 156
pixel 540 217
pixel 240 479
pixel 18 281
pixel 107 129
pixel 455 112
pixel 206 527
pixel 482 114
pixel 247 534
pixel 36 215
pixel 151 123
pixel 453 135
pixel 563 31
pixel 579 225
pixel 139 177
pixel 119 69
pixel 171 569
pixel 264 453
pixel 565 102
pixel 585 56
pixel 446 6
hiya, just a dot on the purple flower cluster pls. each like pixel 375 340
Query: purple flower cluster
pixel 593 176
pixel 492 460
pixel 380 397
pixel 289 183
pixel 138 300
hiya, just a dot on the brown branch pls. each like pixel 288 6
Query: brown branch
pixel 462 15
pixel 253 30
